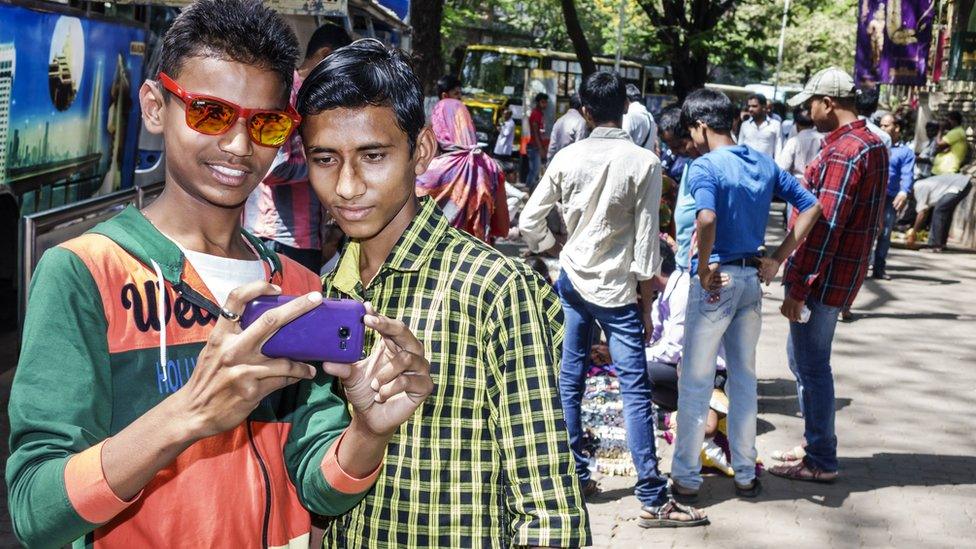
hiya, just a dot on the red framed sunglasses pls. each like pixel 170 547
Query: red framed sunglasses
pixel 214 116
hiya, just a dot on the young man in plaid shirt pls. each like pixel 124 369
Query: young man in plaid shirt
pixel 849 177
pixel 485 462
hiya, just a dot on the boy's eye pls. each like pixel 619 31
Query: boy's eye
pixel 324 160
pixel 375 157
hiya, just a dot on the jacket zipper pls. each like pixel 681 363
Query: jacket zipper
pixel 267 486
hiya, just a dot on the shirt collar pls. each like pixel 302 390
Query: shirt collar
pixel 835 135
pixel 411 252
pixel 609 133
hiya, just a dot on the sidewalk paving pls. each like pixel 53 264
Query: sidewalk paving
pixel 905 377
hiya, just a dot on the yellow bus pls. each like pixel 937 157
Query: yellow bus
pixel 496 76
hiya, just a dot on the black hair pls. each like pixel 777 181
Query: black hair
pixel 670 121
pixel 634 94
pixel 541 96
pixel 801 116
pixel 574 101
pixel 900 122
pixel 329 35
pixel 712 107
pixel 933 126
pixel 955 117
pixel 779 108
pixel 244 31
pixel 758 97
pixel 447 83
pixel 604 96
pixel 366 73
pixel 866 101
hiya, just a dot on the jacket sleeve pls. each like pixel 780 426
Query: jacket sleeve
pixel 60 409
pixel 532 222
pixel 647 247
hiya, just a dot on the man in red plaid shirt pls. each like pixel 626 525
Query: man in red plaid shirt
pixel 849 177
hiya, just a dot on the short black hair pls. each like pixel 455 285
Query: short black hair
pixel 670 121
pixel 758 97
pixel 634 94
pixel 955 117
pixel 900 122
pixel 574 101
pixel 866 101
pixel 605 97
pixel 801 116
pixel 712 107
pixel 447 83
pixel 541 96
pixel 330 35
pixel 244 31
pixel 366 73
pixel 933 126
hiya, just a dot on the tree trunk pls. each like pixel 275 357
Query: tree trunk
pixel 689 72
pixel 575 32
pixel 425 18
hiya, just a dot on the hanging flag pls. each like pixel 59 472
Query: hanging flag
pixel 908 34
pixel 870 41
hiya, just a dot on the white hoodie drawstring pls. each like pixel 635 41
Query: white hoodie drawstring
pixel 161 315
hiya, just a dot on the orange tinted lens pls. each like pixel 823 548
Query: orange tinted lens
pixel 209 116
pixel 270 128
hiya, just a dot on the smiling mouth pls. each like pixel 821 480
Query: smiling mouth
pixel 227 175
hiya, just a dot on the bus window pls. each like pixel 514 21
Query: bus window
pixel 496 73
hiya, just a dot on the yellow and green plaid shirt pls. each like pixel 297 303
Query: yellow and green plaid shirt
pixel 485 462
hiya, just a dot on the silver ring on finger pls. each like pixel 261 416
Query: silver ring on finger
pixel 230 315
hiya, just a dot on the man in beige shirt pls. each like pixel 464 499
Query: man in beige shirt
pixel 610 191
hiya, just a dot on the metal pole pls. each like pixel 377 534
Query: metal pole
pixel 620 35
pixel 779 52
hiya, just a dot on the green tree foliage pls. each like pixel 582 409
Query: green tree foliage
pixel 740 49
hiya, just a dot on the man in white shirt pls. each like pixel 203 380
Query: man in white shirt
pixel 803 147
pixel 611 191
pixel 760 132
pixel 639 123
pixel 570 128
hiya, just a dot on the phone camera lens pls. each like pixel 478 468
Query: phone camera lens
pixel 344 332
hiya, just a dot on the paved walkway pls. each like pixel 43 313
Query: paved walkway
pixel 906 426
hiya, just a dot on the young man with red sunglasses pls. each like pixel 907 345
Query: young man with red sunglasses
pixel 142 415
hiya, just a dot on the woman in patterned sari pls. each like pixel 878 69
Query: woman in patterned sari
pixel 467 184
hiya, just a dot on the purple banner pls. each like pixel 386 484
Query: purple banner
pixel 908 33
pixel 870 41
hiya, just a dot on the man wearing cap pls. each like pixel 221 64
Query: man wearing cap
pixel 849 178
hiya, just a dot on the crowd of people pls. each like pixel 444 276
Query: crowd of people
pixel 154 418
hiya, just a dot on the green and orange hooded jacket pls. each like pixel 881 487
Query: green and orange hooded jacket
pixel 94 359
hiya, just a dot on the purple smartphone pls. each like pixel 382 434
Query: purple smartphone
pixel 331 332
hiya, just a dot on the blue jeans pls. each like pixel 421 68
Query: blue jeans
pixel 808 351
pixel 733 320
pixel 625 332
pixel 884 237
pixel 535 164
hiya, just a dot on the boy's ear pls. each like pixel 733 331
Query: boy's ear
pixel 152 102
pixel 424 151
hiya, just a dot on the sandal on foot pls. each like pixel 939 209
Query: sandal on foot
pixel 751 490
pixel 794 454
pixel 682 493
pixel 671 515
pixel 800 471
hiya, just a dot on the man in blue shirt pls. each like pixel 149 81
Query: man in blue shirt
pixel 901 177
pixel 732 186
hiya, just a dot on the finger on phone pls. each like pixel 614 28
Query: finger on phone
pixel 396 331
pixel 337 369
pixel 282 367
pixel 272 320
pixel 239 298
